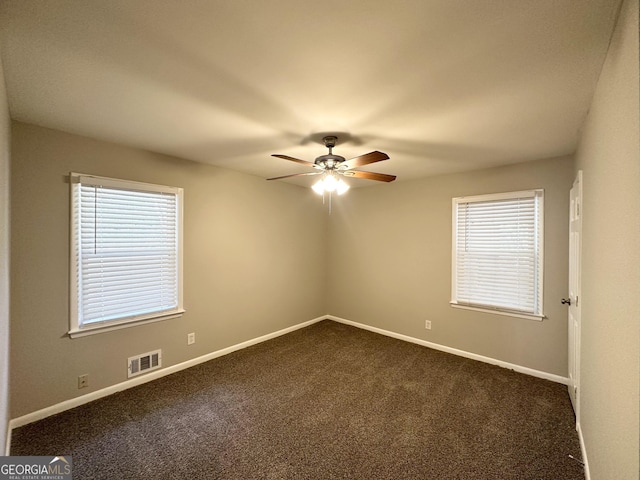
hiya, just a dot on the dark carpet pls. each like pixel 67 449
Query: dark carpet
pixel 326 402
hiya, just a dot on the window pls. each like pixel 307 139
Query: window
pixel 498 253
pixel 126 253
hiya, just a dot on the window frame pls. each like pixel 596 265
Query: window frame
pixel 499 310
pixel 77 328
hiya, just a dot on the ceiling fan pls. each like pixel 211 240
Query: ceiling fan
pixel 330 166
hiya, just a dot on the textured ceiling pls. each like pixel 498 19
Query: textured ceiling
pixel 439 85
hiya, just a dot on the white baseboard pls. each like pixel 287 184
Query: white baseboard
pixel 76 402
pixel 455 351
pixel 583 450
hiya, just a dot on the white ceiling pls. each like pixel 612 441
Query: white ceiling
pixel 439 85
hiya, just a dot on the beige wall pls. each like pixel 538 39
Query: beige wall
pixel 609 156
pixel 390 263
pixel 253 263
pixel 5 158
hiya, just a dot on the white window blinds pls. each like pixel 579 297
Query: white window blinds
pixel 498 252
pixel 126 252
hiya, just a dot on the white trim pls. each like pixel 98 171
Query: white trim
pixel 495 311
pixel 92 329
pixel 77 327
pixel 538 196
pixel 540 193
pixel 7 448
pixel 583 450
pixel 76 402
pixel 473 356
pixel 497 196
pixel 99 181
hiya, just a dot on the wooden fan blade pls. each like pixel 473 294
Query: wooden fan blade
pixel 295 175
pixel 297 160
pixel 365 159
pixel 381 177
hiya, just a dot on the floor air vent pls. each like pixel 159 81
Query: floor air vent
pixel 144 363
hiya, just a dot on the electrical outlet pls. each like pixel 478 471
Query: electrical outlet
pixel 191 338
pixel 427 324
pixel 83 380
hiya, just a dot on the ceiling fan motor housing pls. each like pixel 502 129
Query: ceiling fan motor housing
pixel 329 162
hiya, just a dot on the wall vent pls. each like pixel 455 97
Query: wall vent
pixel 144 363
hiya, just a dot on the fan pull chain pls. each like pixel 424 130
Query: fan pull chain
pixel 329 201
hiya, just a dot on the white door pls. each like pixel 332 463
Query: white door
pixel 575 245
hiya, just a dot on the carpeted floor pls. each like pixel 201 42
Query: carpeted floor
pixel 326 402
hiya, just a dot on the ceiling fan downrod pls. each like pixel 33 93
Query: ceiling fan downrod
pixel 330 161
pixel 330 142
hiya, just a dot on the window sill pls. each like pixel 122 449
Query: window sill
pixel 526 316
pixel 110 326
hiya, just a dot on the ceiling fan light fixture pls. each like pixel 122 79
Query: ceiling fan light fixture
pixel 342 187
pixel 318 187
pixel 330 184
